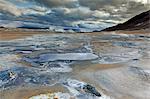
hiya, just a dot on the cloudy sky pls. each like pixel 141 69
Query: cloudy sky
pixel 96 13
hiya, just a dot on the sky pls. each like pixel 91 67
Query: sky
pixel 83 13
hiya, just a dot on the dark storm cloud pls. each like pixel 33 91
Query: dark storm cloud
pixel 99 4
pixel 75 11
pixel 57 3
pixel 116 7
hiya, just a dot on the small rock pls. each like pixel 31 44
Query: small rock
pixel 90 89
pixel 76 86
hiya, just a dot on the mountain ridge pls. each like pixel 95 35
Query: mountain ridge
pixel 138 22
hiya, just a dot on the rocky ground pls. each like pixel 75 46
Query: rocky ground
pixel 106 65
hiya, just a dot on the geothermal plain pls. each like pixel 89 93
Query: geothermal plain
pixel 102 65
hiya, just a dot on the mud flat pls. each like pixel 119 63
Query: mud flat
pixel 113 65
pixel 125 81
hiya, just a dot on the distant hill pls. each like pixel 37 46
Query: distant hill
pixel 141 21
pixel 1 27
